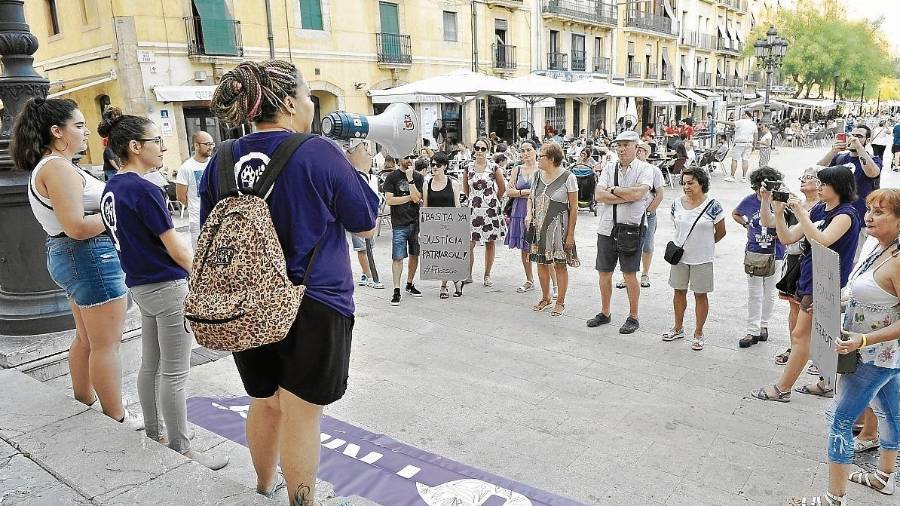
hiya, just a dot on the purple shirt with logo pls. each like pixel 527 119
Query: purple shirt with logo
pixel 845 246
pixel 760 239
pixel 317 197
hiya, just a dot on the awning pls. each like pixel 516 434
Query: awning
pixel 750 96
pixel 721 33
pixel 729 30
pixel 737 33
pixel 517 103
pixel 693 97
pixel 665 58
pixel 183 93
pixel 665 97
pixel 710 95
pixel 808 103
pixel 669 11
pixel 104 78
pixel 413 98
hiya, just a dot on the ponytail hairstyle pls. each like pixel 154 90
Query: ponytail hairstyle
pixel 255 92
pixel 31 137
pixel 121 129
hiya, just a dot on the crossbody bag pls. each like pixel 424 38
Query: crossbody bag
pixel 674 252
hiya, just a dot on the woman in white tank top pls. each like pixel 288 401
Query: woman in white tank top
pixel 81 257
pixel 872 326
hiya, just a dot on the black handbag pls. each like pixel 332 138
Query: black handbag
pixel 674 252
pixel 787 285
pixel 628 237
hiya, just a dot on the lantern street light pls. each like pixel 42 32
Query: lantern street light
pixel 769 57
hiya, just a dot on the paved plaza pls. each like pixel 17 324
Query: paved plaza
pixel 587 414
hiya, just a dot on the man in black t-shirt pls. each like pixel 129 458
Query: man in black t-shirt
pixel 110 163
pixel 403 192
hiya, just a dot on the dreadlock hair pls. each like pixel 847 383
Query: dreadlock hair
pixel 121 129
pixel 31 137
pixel 255 92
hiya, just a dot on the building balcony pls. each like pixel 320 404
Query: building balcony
pixel 394 50
pixel 734 5
pixel 602 65
pixel 557 61
pixel 651 22
pixel 591 12
pixel 690 38
pixel 706 41
pixel 729 45
pixel 213 37
pixel 634 70
pixel 685 81
pixel 579 61
pixel 514 4
pixel 504 56
pixel 652 72
pixel 734 82
pixel 721 82
pixel 704 80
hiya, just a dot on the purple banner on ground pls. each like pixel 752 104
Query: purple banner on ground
pixel 374 466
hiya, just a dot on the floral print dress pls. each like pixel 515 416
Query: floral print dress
pixel 487 222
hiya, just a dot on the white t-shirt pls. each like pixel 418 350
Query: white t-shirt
pixel 700 247
pixel 156 177
pixel 744 131
pixel 189 175
pixel 766 140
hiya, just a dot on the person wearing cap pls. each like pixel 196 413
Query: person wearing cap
pixel 623 196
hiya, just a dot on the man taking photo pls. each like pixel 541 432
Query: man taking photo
pixel 623 192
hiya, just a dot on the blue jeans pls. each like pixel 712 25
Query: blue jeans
pixel 88 271
pixel 881 387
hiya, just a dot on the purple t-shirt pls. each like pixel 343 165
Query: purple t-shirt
pixel 760 239
pixel 318 196
pixel 845 246
pixel 864 184
pixel 135 214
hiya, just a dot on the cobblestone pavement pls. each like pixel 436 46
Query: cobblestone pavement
pixel 589 414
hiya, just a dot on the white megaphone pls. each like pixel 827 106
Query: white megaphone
pixel 396 129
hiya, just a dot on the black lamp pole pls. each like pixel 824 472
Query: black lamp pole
pixel 769 55
pixel 30 302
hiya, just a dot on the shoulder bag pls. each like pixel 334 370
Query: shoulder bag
pixel 628 237
pixel 674 252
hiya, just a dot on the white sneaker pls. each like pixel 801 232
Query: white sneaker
pixel 743 180
pixel 133 421
pixel 363 280
pixel 729 179
pixel 378 285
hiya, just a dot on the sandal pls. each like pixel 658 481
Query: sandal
pixel 526 287
pixel 812 370
pixel 779 396
pixel 542 305
pixel 458 288
pixel 280 483
pixel 783 358
pixel 558 310
pixel 828 499
pixel 697 343
pixel 815 389
pixel 445 293
pixel 878 480
pixel 860 445
pixel 645 281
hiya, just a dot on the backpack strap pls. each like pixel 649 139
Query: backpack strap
pixel 225 159
pixel 279 160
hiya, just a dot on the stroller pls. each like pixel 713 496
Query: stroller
pixel 587 184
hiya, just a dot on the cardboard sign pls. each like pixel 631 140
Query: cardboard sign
pixel 826 328
pixel 444 234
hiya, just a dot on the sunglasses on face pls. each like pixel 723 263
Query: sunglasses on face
pixel 410 157
pixel 482 148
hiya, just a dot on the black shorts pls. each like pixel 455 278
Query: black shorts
pixel 608 256
pixel 312 362
pixel 895 148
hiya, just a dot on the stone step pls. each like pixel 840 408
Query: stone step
pixel 79 453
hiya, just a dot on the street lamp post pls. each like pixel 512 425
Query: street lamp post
pixel 769 56
pixel 30 302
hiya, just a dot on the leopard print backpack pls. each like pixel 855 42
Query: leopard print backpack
pixel 239 294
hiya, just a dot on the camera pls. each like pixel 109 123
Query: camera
pixel 780 196
pixel 772 185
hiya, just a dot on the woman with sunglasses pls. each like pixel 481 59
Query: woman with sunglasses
pixel 441 191
pixel 809 187
pixel 519 190
pixel 483 186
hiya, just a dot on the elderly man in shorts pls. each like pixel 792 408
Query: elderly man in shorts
pixel 623 194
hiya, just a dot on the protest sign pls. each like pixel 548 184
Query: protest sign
pixel 444 234
pixel 826 329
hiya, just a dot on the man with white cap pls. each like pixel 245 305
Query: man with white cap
pixel 623 194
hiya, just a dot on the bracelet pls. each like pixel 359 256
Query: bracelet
pixel 865 339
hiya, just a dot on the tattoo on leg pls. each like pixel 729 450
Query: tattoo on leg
pixel 302 498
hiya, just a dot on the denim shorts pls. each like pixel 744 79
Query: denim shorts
pixel 359 244
pixel 88 271
pixel 405 242
pixel 649 234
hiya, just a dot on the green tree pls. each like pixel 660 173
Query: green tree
pixel 827 50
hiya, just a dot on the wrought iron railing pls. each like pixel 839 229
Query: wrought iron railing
pixel 504 56
pixel 585 11
pixel 213 37
pixel 557 61
pixel 394 48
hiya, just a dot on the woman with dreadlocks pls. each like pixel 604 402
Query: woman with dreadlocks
pixel 316 197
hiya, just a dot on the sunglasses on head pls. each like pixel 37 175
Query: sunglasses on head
pixel 482 148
